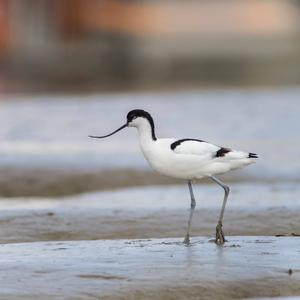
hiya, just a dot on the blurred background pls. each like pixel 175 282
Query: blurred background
pixel 223 71
pixel 120 44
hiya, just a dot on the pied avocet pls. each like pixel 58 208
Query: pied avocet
pixel 188 159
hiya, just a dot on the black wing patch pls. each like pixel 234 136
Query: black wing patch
pixel 252 155
pixel 222 151
pixel 177 143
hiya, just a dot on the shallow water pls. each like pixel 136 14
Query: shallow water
pixel 155 211
pixel 252 196
pixel 51 131
pixel 150 269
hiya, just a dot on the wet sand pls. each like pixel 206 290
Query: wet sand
pixel 151 269
pixel 68 264
pixel 91 224
pixel 151 212
pixel 57 182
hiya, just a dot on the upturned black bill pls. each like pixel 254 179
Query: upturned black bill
pixel 104 136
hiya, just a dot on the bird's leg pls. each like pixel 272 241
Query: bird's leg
pixel 193 205
pixel 220 238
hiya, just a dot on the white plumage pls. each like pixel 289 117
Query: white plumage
pixel 187 159
pixel 191 159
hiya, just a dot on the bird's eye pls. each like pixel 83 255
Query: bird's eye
pixel 131 118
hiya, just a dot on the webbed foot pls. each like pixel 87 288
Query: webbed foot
pixel 187 240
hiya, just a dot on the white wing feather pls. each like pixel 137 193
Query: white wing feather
pixel 196 148
pixel 208 149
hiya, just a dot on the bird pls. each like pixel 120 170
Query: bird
pixel 188 159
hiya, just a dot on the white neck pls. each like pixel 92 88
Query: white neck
pixel 145 133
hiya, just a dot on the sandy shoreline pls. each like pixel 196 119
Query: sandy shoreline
pixel 60 225
pixel 151 212
pixel 81 247
pixel 62 255
pixel 27 181
pixel 151 269
pixel 56 182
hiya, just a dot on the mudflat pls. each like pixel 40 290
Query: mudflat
pixel 151 269
pixel 151 212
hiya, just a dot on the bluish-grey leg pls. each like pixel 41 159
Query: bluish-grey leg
pixel 193 205
pixel 220 238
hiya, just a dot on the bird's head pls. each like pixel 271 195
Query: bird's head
pixel 135 118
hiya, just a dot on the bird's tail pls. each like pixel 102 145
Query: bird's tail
pixel 240 155
pixel 252 155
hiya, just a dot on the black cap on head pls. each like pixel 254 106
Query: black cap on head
pixel 136 113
